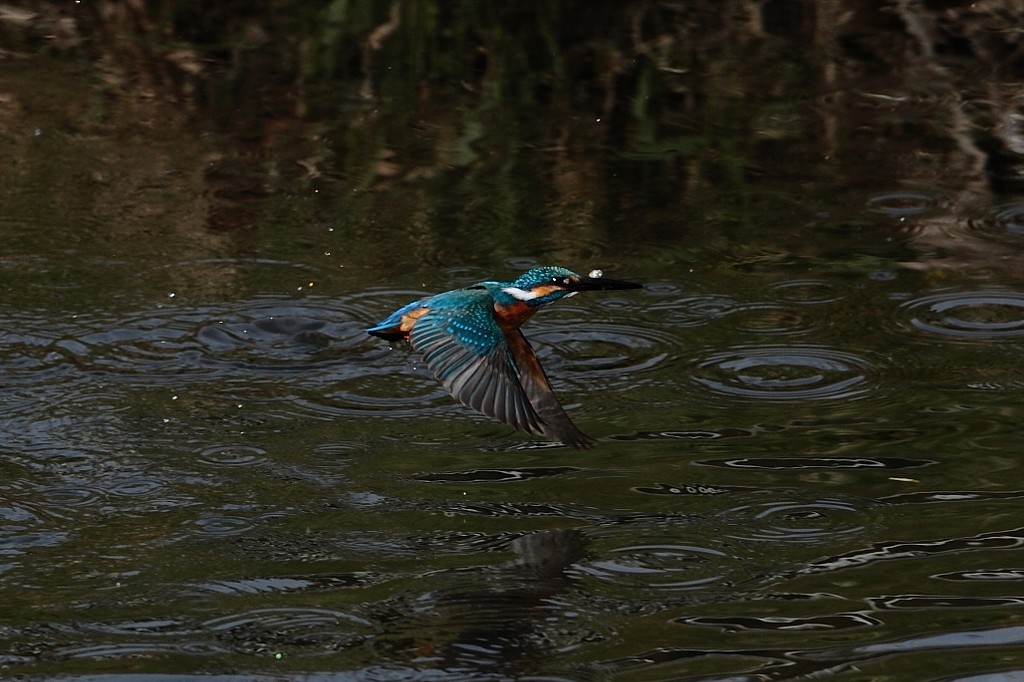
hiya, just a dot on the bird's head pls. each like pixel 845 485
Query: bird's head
pixel 548 284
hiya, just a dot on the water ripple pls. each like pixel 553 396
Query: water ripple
pixel 137 487
pixel 796 463
pixel 677 309
pixel 984 575
pixel 495 475
pixel 318 343
pixel 798 372
pixel 276 584
pixel 900 204
pixel 1002 221
pixel 65 497
pixel 263 630
pixel 688 489
pixel 838 621
pixel 493 625
pixel 915 602
pixel 808 291
pixel 137 650
pixel 404 390
pixel 221 526
pixel 177 344
pixel 772 319
pixel 981 315
pixel 790 521
pixel 660 566
pixel 232 455
pixel 603 353
pixel 901 550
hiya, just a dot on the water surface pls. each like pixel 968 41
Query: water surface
pixel 807 422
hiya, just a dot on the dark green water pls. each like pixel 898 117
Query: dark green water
pixel 808 422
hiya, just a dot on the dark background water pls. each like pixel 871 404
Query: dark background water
pixel 808 422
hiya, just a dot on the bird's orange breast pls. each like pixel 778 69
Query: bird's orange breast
pixel 514 315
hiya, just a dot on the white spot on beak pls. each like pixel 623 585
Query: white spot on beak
pixel 520 294
pixel 595 274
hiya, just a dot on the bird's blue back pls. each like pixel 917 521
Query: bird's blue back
pixel 466 314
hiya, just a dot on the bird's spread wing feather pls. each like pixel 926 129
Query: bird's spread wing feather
pixel 466 350
pixel 554 421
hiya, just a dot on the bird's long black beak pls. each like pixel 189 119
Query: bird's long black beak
pixel 601 284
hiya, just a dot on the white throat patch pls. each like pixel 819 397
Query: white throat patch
pixel 520 294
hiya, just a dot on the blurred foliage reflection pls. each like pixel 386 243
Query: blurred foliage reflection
pixel 572 119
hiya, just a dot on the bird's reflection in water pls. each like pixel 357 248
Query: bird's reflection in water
pixel 516 622
pixel 547 554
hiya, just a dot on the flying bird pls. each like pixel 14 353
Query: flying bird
pixel 471 340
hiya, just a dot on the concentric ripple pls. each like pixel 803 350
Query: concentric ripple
pixel 771 319
pixel 376 379
pixel 1003 221
pixel 682 310
pixel 808 291
pixel 603 353
pixel 900 204
pixel 221 526
pixel 660 566
pixel 269 629
pixel 981 315
pixel 799 372
pixel 794 521
pixel 1011 217
pixel 232 455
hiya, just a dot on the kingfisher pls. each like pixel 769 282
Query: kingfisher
pixel 471 340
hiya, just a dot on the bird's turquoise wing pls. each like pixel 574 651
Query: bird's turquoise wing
pixel 467 352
